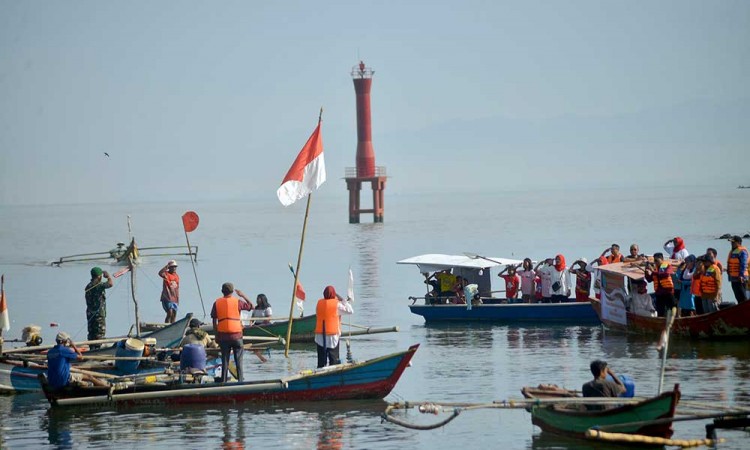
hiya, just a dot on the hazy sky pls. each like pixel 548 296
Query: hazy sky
pixel 213 100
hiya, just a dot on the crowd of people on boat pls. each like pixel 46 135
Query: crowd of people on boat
pixel 681 279
pixel 227 321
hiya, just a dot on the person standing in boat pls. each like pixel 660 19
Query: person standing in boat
pixel 228 328
pixel 660 273
pixel 634 255
pixel 710 285
pixel 96 305
pixel 737 268
pixel 328 325
pixel 600 386
pixel 170 291
pixel 512 282
pixel 583 279
pixel 560 288
pixel 528 275
pixel 545 270
pixel 685 273
pixel 676 248
pixel 614 254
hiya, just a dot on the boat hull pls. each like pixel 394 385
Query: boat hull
pixel 727 323
pixel 574 423
pixel 573 313
pixel 372 379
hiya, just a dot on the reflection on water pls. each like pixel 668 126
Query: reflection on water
pixel 367 242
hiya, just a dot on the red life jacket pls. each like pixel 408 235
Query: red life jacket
pixel 662 281
pixel 228 315
pixel 614 259
pixel 327 310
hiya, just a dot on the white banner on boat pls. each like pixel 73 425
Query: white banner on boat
pixel 613 298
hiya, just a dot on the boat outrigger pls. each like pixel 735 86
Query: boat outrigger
pixel 122 254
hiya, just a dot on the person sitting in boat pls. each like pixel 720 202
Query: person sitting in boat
pixel 459 296
pixel 614 254
pixel 433 294
pixel 228 328
pixel 58 364
pixel 262 309
pixel 170 292
pixel 328 325
pixel 583 279
pixel 195 335
pixel 640 301
pixel 600 386
pixel 447 282
pixel 512 282
pixel 660 273
pixel 528 277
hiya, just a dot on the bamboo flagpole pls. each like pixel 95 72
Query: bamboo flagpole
pixel 307 173
pixel 189 223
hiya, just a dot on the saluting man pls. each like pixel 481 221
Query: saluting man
pixel 96 305
pixel 170 292
pixel 228 328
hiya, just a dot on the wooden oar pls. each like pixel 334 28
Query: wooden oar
pixel 39 348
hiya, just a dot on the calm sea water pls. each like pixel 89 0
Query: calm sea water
pixel 250 243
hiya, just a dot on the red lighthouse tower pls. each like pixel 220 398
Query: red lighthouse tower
pixel 366 171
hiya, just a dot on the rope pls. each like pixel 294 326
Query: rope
pixel 426 408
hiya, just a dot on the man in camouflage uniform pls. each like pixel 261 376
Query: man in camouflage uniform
pixel 96 305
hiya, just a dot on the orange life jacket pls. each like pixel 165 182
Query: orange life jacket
pixel 663 282
pixel 695 285
pixel 708 281
pixel 228 315
pixel 733 263
pixel 327 311
pixel 614 259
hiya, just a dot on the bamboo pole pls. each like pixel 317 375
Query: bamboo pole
pixel 131 266
pixel 195 273
pixel 670 320
pixel 296 276
pixel 39 348
pixel 650 440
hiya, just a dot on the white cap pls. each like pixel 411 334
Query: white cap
pixel 62 337
pixel 172 263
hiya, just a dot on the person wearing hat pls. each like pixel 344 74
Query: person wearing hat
pixel 228 328
pixel 96 305
pixel 196 335
pixel 737 268
pixel 170 292
pixel 58 364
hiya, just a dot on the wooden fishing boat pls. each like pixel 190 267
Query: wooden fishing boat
pixel 371 379
pixel 19 374
pixel 493 309
pixel 619 310
pixel 727 323
pixel 650 417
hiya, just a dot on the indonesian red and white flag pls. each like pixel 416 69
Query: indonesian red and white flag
pixel 299 296
pixel 121 272
pixel 4 319
pixel 307 173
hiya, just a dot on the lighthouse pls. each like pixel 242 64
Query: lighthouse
pixel 365 171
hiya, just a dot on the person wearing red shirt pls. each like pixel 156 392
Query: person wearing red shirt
pixel 170 292
pixel 512 282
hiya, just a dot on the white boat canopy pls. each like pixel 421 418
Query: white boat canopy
pixel 436 262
